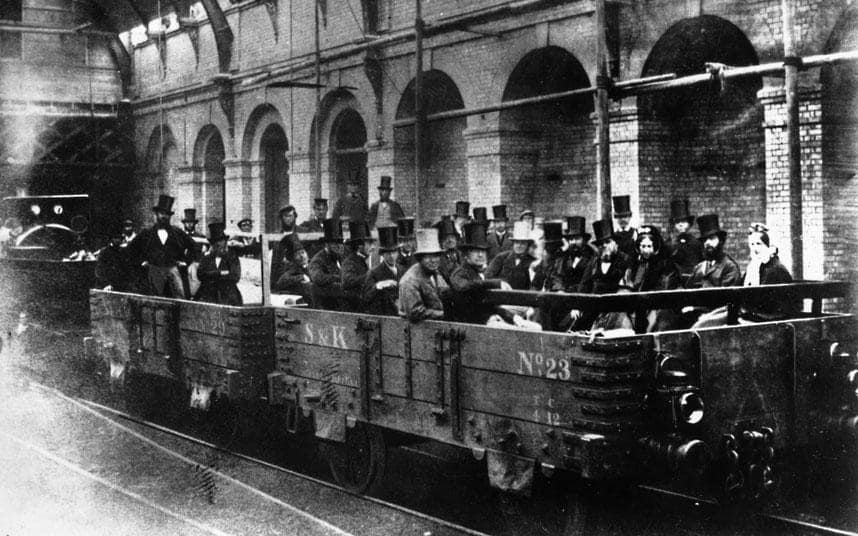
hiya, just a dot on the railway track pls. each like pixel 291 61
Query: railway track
pixel 418 522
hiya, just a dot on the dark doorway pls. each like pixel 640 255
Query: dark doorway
pixel 275 173
pixel 348 157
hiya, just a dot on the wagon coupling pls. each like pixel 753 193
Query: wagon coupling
pixel 677 455
pixel 744 468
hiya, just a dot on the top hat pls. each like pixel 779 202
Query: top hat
pixel 216 232
pixel 385 183
pixel 708 225
pixel 603 230
pixel 462 208
pixel 553 232
pixel 190 216
pixel 525 213
pixel 622 206
pixel 446 227
pixel 521 231
pixel 243 221
pixel 388 238
pixel 358 231
pixel 499 213
pixel 576 226
pixel 481 214
pixel 333 230
pixel 679 211
pixel 320 201
pixel 165 204
pixel 406 228
pixel 427 243
pixel 474 236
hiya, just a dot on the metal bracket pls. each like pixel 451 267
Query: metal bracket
pixel 371 374
pixel 409 363
pixel 439 410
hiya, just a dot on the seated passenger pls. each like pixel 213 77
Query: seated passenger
pixel 717 269
pixel 651 270
pixel 684 248
pixel 356 264
pixel 245 245
pixel 295 278
pixel 422 289
pixel 764 268
pixel 448 237
pixel 575 257
pixel 513 265
pixel 219 271
pixel 381 285
pixel 325 269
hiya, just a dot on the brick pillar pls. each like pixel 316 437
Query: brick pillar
pixel 777 176
pixel 301 192
pixel 483 146
pixel 184 186
pixel 236 171
pixel 625 166
pixel 379 161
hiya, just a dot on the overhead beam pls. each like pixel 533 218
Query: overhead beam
pixel 222 33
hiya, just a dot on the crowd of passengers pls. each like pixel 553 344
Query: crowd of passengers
pixel 386 267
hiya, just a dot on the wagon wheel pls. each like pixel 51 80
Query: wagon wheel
pixel 547 512
pixel 359 463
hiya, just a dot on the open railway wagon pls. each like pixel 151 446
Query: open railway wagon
pixel 723 406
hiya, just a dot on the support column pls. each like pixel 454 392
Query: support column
pixel 185 184
pixel 483 147
pixel 779 205
pixel 626 169
pixel 302 189
pixel 235 171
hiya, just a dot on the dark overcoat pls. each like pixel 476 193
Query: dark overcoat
pixel 216 287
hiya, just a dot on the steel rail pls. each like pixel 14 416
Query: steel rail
pixel 257 461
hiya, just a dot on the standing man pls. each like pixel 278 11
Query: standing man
pixel 407 243
pixel 325 268
pixel 356 264
pixel 320 213
pixel 289 242
pixel 448 237
pixel 498 238
pixel 219 270
pixel 189 222
pixel 461 217
pixel 624 234
pixel 573 262
pixel 113 271
pixel 513 265
pixel 685 249
pixel 422 289
pixel 381 286
pixel 352 206
pixel 162 249
pixel 384 212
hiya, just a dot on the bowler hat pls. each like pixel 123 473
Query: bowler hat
pixel 481 214
pixel 708 225
pixel 165 204
pixel 385 183
pixel 462 209
pixel 358 231
pixel 602 230
pixel 333 230
pixel 406 228
pixel 679 211
pixel 216 232
pixel 190 216
pixel 576 226
pixel 427 243
pixel 499 213
pixel 388 239
pixel 474 236
pixel 622 206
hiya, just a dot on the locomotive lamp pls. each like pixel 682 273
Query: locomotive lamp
pixel 675 401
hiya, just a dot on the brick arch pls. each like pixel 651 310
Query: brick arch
pixel 209 174
pixel 335 106
pixel 705 143
pixel 445 168
pixel 259 119
pixel 547 158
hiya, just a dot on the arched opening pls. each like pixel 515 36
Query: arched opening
pixel 273 147
pixel 547 156
pixel 704 142
pixel 348 155
pixel 210 190
pixel 445 164
pixel 840 153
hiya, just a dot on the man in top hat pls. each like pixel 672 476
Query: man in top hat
pixel 128 233
pixel 162 249
pixel 528 216
pixel 385 211
pixel 498 237
pixel 407 243
pixel 381 286
pixel 356 264
pixel 548 250
pixel 624 234
pixel 113 270
pixel 461 217
pixel 685 249
pixel 422 290
pixel 320 214
pixel 219 270
pixel 717 269
pixel 289 242
pixel 325 269
pixel 469 283
pixel 245 244
pixel 513 265
pixel 448 237
pixel 351 206
pixel 575 258
pixel 295 278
